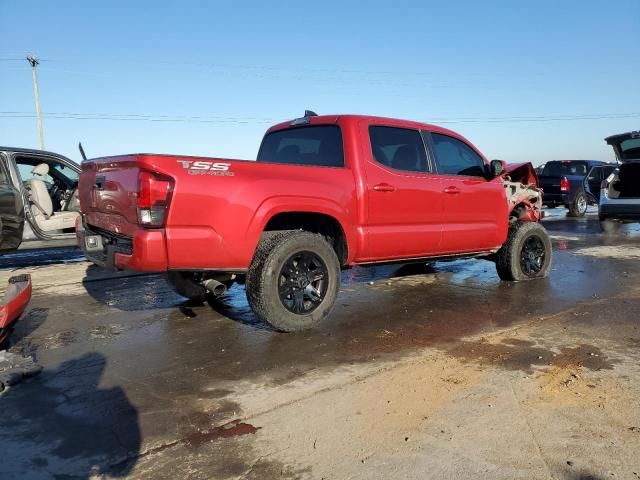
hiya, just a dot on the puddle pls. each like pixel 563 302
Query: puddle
pixel 610 251
pixel 38 257
pixel 235 428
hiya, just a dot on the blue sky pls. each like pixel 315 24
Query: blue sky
pixel 227 70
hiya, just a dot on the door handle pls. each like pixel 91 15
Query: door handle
pixel 384 187
pixel 452 190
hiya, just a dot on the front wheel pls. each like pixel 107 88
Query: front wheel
pixel 579 205
pixel 293 280
pixel 526 254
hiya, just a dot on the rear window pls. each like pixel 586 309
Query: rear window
pixel 319 145
pixel 559 169
pixel 630 149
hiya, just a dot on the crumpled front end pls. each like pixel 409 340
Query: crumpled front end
pixel 523 194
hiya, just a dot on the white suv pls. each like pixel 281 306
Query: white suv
pixel 620 191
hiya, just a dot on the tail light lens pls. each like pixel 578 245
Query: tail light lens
pixel 154 195
pixel 564 184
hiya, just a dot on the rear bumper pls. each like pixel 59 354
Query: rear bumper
pixel 145 251
pixel 556 198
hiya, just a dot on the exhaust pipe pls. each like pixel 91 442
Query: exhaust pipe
pixel 215 287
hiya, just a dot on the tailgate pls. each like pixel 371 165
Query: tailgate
pixel 108 190
pixel 550 184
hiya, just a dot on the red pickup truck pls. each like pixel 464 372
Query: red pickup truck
pixel 326 193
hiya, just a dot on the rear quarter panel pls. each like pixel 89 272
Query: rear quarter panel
pixel 215 221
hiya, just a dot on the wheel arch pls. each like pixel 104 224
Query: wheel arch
pixel 525 211
pixel 322 223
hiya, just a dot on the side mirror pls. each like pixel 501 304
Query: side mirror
pixel 498 167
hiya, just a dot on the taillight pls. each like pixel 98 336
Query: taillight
pixel 564 184
pixel 154 195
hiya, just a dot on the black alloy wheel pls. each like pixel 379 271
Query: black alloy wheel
pixel 532 256
pixel 303 282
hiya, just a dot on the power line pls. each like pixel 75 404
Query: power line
pixel 135 116
pixel 269 120
pixel 280 68
pixel 166 119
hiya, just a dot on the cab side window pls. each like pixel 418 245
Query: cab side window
pixel 398 148
pixel 455 157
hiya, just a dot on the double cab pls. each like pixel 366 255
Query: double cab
pixel 324 194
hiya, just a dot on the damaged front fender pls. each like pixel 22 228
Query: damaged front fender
pixel 523 195
pixel 521 172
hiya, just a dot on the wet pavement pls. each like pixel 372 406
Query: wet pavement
pixel 422 371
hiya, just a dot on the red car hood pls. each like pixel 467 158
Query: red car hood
pixel 522 172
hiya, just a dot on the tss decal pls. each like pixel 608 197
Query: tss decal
pixel 207 168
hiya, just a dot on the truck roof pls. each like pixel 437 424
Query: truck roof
pixel 32 151
pixel 591 162
pixel 371 119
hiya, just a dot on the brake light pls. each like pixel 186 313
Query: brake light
pixel 564 184
pixel 154 195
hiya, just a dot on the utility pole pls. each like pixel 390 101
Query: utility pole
pixel 33 61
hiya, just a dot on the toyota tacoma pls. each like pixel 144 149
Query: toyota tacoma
pixel 326 193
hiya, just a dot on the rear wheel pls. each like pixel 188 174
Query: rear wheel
pixel 526 254
pixel 293 280
pixel 579 205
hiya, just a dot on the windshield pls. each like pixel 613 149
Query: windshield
pixel 66 172
pixel 319 145
pixel 565 167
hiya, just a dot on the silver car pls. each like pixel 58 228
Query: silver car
pixel 620 191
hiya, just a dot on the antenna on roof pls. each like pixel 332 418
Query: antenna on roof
pixel 82 154
pixel 310 113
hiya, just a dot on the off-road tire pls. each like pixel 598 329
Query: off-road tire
pixel 274 250
pixel 578 206
pixel 508 258
pixel 610 226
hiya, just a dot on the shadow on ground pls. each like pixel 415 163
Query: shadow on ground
pixel 62 425
pixel 40 257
